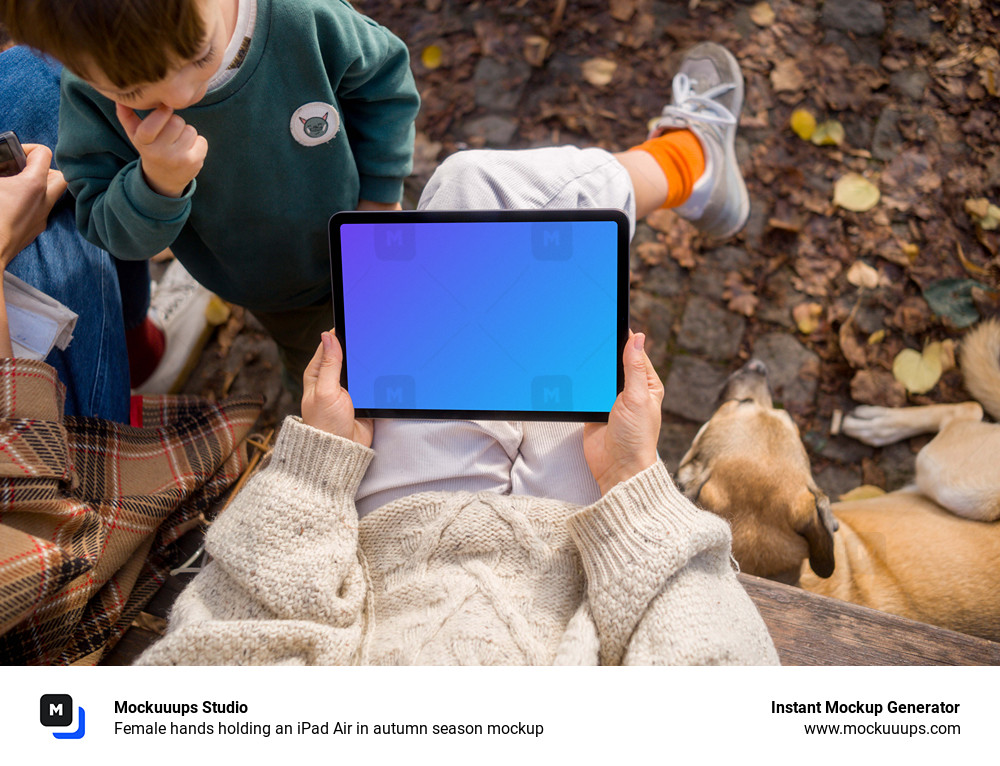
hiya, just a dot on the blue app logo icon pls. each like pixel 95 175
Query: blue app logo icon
pixel 552 392
pixel 395 391
pixel 57 710
pixel 552 241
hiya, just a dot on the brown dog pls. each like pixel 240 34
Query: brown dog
pixel 929 552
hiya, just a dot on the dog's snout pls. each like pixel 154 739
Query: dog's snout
pixel 756 366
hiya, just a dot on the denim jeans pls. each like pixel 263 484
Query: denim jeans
pixel 60 263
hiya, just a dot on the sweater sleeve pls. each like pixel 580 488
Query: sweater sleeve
pixel 115 208
pixel 380 102
pixel 659 580
pixel 285 584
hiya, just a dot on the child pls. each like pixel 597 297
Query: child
pixel 229 131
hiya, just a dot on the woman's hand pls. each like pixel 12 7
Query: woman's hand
pixel 626 444
pixel 25 201
pixel 325 405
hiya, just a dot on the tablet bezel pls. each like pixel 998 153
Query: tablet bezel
pixel 493 216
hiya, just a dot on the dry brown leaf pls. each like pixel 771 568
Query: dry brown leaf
pixel 536 49
pixel 652 253
pixel 850 347
pixel 877 387
pixel 740 296
pixel 622 10
pixel 762 14
pixel 806 316
pixel 787 76
pixel 599 71
pixel 862 275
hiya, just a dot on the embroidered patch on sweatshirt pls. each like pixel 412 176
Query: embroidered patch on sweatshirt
pixel 314 123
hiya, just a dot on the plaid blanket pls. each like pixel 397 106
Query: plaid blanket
pixel 89 509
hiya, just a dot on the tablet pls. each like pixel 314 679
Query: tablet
pixel 512 315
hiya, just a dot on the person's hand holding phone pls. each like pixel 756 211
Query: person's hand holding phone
pixel 26 199
pixel 171 152
pixel 626 444
pixel 325 405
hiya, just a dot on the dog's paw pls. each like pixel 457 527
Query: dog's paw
pixel 877 426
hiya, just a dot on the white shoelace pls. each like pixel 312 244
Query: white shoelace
pixel 699 106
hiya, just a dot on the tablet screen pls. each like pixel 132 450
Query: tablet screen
pixel 514 315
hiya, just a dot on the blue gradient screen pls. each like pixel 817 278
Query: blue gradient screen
pixel 512 316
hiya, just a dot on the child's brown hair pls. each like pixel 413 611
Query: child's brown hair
pixel 130 42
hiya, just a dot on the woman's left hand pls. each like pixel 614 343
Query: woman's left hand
pixel 325 405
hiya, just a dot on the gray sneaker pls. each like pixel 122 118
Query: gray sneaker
pixel 707 98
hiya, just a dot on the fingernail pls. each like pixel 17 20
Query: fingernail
pixel 327 343
pixel 639 341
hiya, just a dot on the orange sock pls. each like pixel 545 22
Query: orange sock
pixel 680 156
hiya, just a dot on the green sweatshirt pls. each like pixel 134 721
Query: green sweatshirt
pixel 252 227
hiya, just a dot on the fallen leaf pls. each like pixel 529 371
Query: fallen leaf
pixel 599 71
pixel 952 298
pixel 864 492
pixel 536 48
pixel 855 192
pixel 862 275
pixel 877 387
pixel 217 311
pixel 622 10
pixel 740 297
pixel 983 213
pixel 876 337
pixel 787 76
pixel 806 316
pixel 652 253
pixel 829 133
pixel 432 56
pixel 918 372
pixel 803 123
pixel 850 347
pixel 988 61
pixel 762 14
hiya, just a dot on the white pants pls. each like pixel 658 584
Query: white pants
pixel 531 458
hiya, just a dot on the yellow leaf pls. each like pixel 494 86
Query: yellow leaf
pixel 919 373
pixel 806 316
pixel 828 133
pixel 855 192
pixel 876 337
pixel 983 213
pixel 862 275
pixel 217 311
pixel 762 14
pixel 599 71
pixel 864 492
pixel 803 123
pixel 432 56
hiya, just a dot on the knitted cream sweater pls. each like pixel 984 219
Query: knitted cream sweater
pixel 640 577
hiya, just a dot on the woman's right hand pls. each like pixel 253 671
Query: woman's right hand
pixel 325 405
pixel 26 200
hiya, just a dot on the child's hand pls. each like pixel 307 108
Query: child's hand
pixel 627 444
pixel 172 152
pixel 325 405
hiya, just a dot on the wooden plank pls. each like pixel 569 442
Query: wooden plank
pixel 808 629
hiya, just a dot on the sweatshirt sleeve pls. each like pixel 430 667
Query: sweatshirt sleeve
pixel 115 208
pixel 659 580
pixel 285 584
pixel 380 102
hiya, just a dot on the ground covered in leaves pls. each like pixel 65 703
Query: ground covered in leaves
pixel 896 116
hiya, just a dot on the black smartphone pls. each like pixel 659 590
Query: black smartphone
pixel 12 159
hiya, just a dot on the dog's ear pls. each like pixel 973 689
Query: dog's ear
pixel 692 475
pixel 818 531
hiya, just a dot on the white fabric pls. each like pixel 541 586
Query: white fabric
pixel 537 459
pixel 246 19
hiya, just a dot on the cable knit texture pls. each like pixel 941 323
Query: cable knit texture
pixel 640 577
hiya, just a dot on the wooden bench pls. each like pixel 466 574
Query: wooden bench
pixel 807 629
